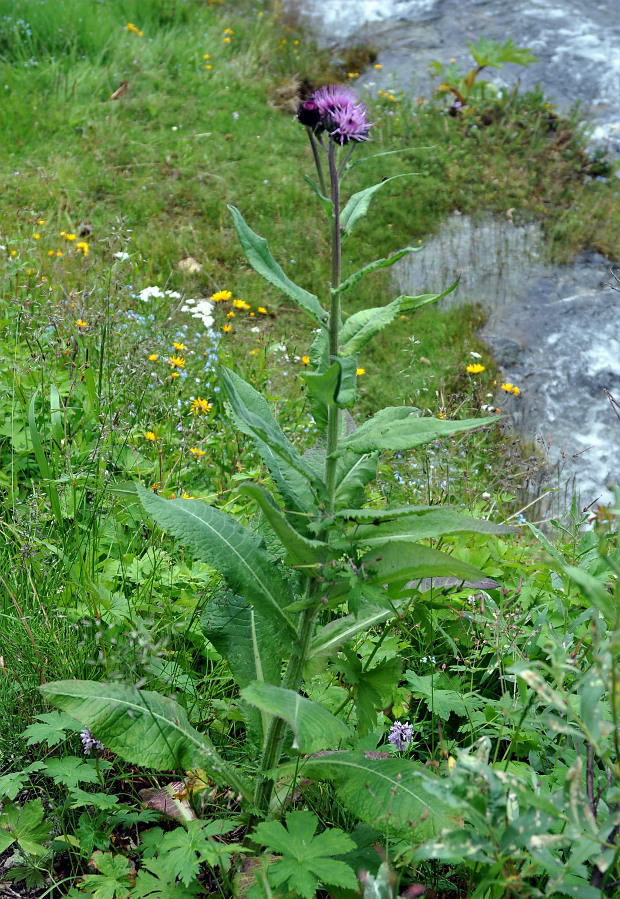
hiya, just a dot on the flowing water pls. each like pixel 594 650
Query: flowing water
pixel 555 330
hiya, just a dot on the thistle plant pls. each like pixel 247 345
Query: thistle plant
pixel 316 568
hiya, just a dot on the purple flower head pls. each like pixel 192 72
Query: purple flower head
pixel 90 742
pixel 309 115
pixel 400 735
pixel 341 113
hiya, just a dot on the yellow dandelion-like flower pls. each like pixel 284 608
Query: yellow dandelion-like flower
pixel 507 386
pixel 175 374
pixel 206 56
pixel 254 352
pixel 150 436
pixel 262 310
pixel 70 236
pixel 50 252
pixel 37 236
pixel 516 391
pixel 40 221
pixel 177 361
pixel 220 296
pixel 228 31
pixel 378 66
pixel 441 415
pixel 63 233
pixel 13 252
pixel 360 371
pixel 305 360
pixel 178 346
pixel 186 496
pixel 81 324
pixel 196 453
pixel 230 314
pixel 227 40
pixel 208 67
pixel 200 406
pixel 226 329
pixel 475 368
pixel 83 246
pixel 153 357
pixel 58 254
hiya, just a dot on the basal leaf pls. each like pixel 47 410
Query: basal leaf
pixel 352 280
pixel 220 541
pixel 143 728
pixel 361 327
pixel 314 728
pixel 258 255
pixel 400 428
pixel 388 794
pixel 252 644
pixel 358 204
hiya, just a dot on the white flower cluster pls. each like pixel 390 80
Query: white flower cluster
pixel 148 292
pixel 201 309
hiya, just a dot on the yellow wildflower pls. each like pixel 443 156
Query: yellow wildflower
pixel 230 314
pixel 177 361
pixel 221 295
pixel 475 368
pixel 175 374
pixel 83 246
pixel 305 360
pixel 153 357
pixel 378 66
pixel 226 329
pixel 206 56
pixel 81 324
pixel 178 346
pixel 50 252
pixel 58 254
pixel 227 40
pixel 360 371
pixel 516 391
pixel 13 252
pixel 200 406
pixel 40 221
pixel 228 31
pixel 262 310
pixel 208 67
pixel 507 386
pixel 37 236
pixel 70 236
pixel 150 436
pixel 196 452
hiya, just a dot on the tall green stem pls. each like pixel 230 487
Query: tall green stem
pixel 333 415
pixel 274 737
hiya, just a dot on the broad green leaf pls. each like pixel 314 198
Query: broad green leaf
pixel 435 521
pixel 185 848
pixel 488 52
pixel 300 550
pixel 353 473
pixel 26 825
pixel 12 784
pixel 361 327
pixel 372 689
pixel 314 728
pixel 325 202
pixel 400 428
pixel 401 562
pixel 306 858
pixel 143 728
pixel 233 550
pixel 593 590
pixel 339 631
pixel 253 417
pixel 352 280
pixel 358 204
pixel 114 881
pixel 336 386
pixel 252 644
pixel 441 701
pixel 51 728
pixel 258 255
pixel 388 794
pixel 158 883
pixel 70 771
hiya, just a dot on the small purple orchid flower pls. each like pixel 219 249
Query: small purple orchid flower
pixel 400 735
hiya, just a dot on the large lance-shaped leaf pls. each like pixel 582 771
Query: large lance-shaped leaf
pixel 358 204
pixel 314 728
pixel 253 417
pixel 300 549
pixel 352 280
pixel 143 728
pixel 361 327
pixel 220 541
pixel 433 522
pixel 258 255
pixel 400 428
pixel 337 632
pixel 353 473
pixel 388 794
pixel 252 644
pixel 400 562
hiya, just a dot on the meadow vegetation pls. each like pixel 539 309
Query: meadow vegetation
pixel 136 347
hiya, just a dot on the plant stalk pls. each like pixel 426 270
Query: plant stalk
pixel 333 414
